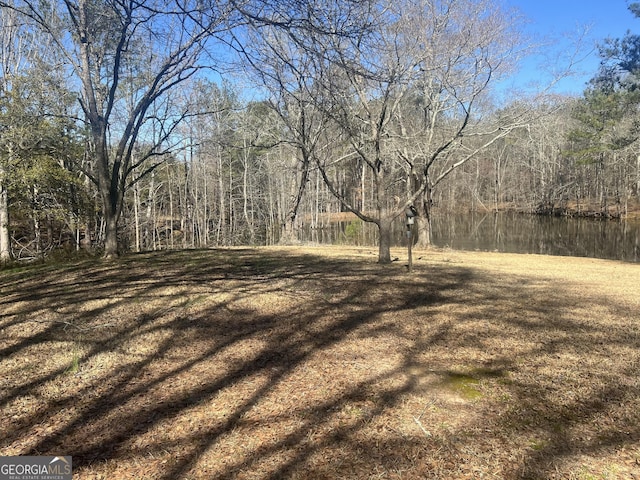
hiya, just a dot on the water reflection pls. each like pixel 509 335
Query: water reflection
pixel 522 233
pixel 506 232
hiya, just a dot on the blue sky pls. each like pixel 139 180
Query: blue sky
pixel 560 21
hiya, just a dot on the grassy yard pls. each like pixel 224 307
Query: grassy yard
pixel 318 363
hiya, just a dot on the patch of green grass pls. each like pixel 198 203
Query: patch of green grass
pixel 464 385
pixel 74 366
pixel 353 411
pixel 584 473
pixel 538 444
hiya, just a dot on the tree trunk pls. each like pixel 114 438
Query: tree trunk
pixel 289 226
pixel 423 220
pixel 149 236
pixel 111 249
pixel 245 200
pixel 423 226
pixel 384 247
pixel 222 212
pixel 136 215
pixel 288 231
pixel 296 191
pixel 111 204
pixel 638 176
pixel 5 240
pixel 35 222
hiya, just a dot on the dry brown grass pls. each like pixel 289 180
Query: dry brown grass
pixel 311 363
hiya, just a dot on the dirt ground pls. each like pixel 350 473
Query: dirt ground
pixel 318 363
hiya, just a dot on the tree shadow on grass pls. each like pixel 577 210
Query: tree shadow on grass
pixel 249 363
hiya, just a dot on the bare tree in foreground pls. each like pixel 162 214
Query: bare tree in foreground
pixel 127 56
pixel 400 100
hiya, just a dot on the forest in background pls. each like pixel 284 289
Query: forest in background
pixel 127 127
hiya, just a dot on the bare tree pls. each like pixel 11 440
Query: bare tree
pixel 457 48
pixel 360 81
pixel 400 98
pixel 281 62
pixel 123 49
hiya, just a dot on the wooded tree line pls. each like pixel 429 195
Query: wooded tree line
pixel 147 125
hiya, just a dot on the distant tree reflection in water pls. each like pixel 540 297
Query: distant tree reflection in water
pixel 506 232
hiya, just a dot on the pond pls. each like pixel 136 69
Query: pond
pixel 506 232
